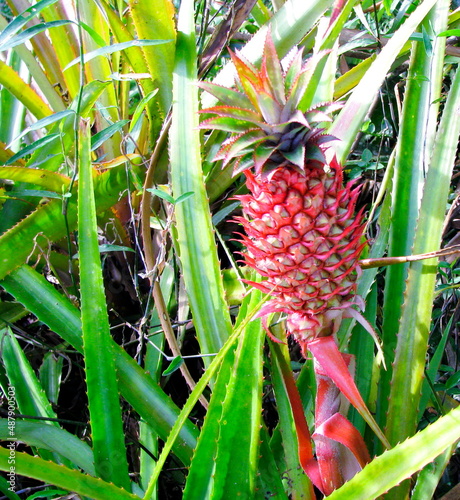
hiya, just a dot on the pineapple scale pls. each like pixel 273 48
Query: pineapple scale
pixel 303 235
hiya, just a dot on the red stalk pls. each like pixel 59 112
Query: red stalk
pixel 327 354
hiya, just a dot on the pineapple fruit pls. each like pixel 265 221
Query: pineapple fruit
pixel 302 232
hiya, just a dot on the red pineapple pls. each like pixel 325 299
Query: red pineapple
pixel 302 233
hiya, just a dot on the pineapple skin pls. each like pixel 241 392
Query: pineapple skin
pixel 303 235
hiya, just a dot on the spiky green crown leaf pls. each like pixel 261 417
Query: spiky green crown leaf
pixel 269 131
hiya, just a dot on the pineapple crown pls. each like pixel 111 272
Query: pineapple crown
pixel 269 129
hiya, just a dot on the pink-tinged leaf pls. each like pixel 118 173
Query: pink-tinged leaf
pixel 328 457
pixel 248 77
pixel 339 429
pixel 311 469
pixel 261 154
pixel 242 164
pixel 353 313
pixel 336 9
pixel 234 112
pixel 272 67
pixel 327 451
pixel 326 352
pixel 226 124
pixel 236 146
pixel 270 109
pixel 300 84
pixel 227 96
pixel 293 70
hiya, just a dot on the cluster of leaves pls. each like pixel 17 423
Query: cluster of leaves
pixel 102 157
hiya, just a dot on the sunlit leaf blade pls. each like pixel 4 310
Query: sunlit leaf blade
pixel 196 244
pixel 23 92
pixel 155 20
pixel 415 146
pixel 416 313
pixel 22 19
pixel 116 47
pixel 29 33
pixel 42 178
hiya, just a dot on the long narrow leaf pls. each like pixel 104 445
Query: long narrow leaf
pixel 69 479
pixel 51 438
pixel 195 241
pixel 234 410
pixel 103 399
pixel 23 92
pixel 415 142
pixel 155 20
pixel 110 49
pixel 22 19
pixel 408 372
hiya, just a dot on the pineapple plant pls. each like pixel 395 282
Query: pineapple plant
pixel 302 234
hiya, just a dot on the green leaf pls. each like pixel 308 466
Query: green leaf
pixel 103 400
pixel 51 375
pixel 412 335
pixel 102 136
pixel 224 466
pixel 195 394
pixel 156 20
pixel 51 438
pixel 71 480
pixel 45 122
pixel 23 92
pixel 29 394
pixel 22 19
pixel 184 197
pixel 195 242
pixel 29 33
pixel 35 193
pixel 348 123
pixel 139 109
pixel 110 49
pixel 163 195
pixel 48 221
pixel 5 488
pixel 32 147
pixel 173 366
pixel 50 181
pixel 454 32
